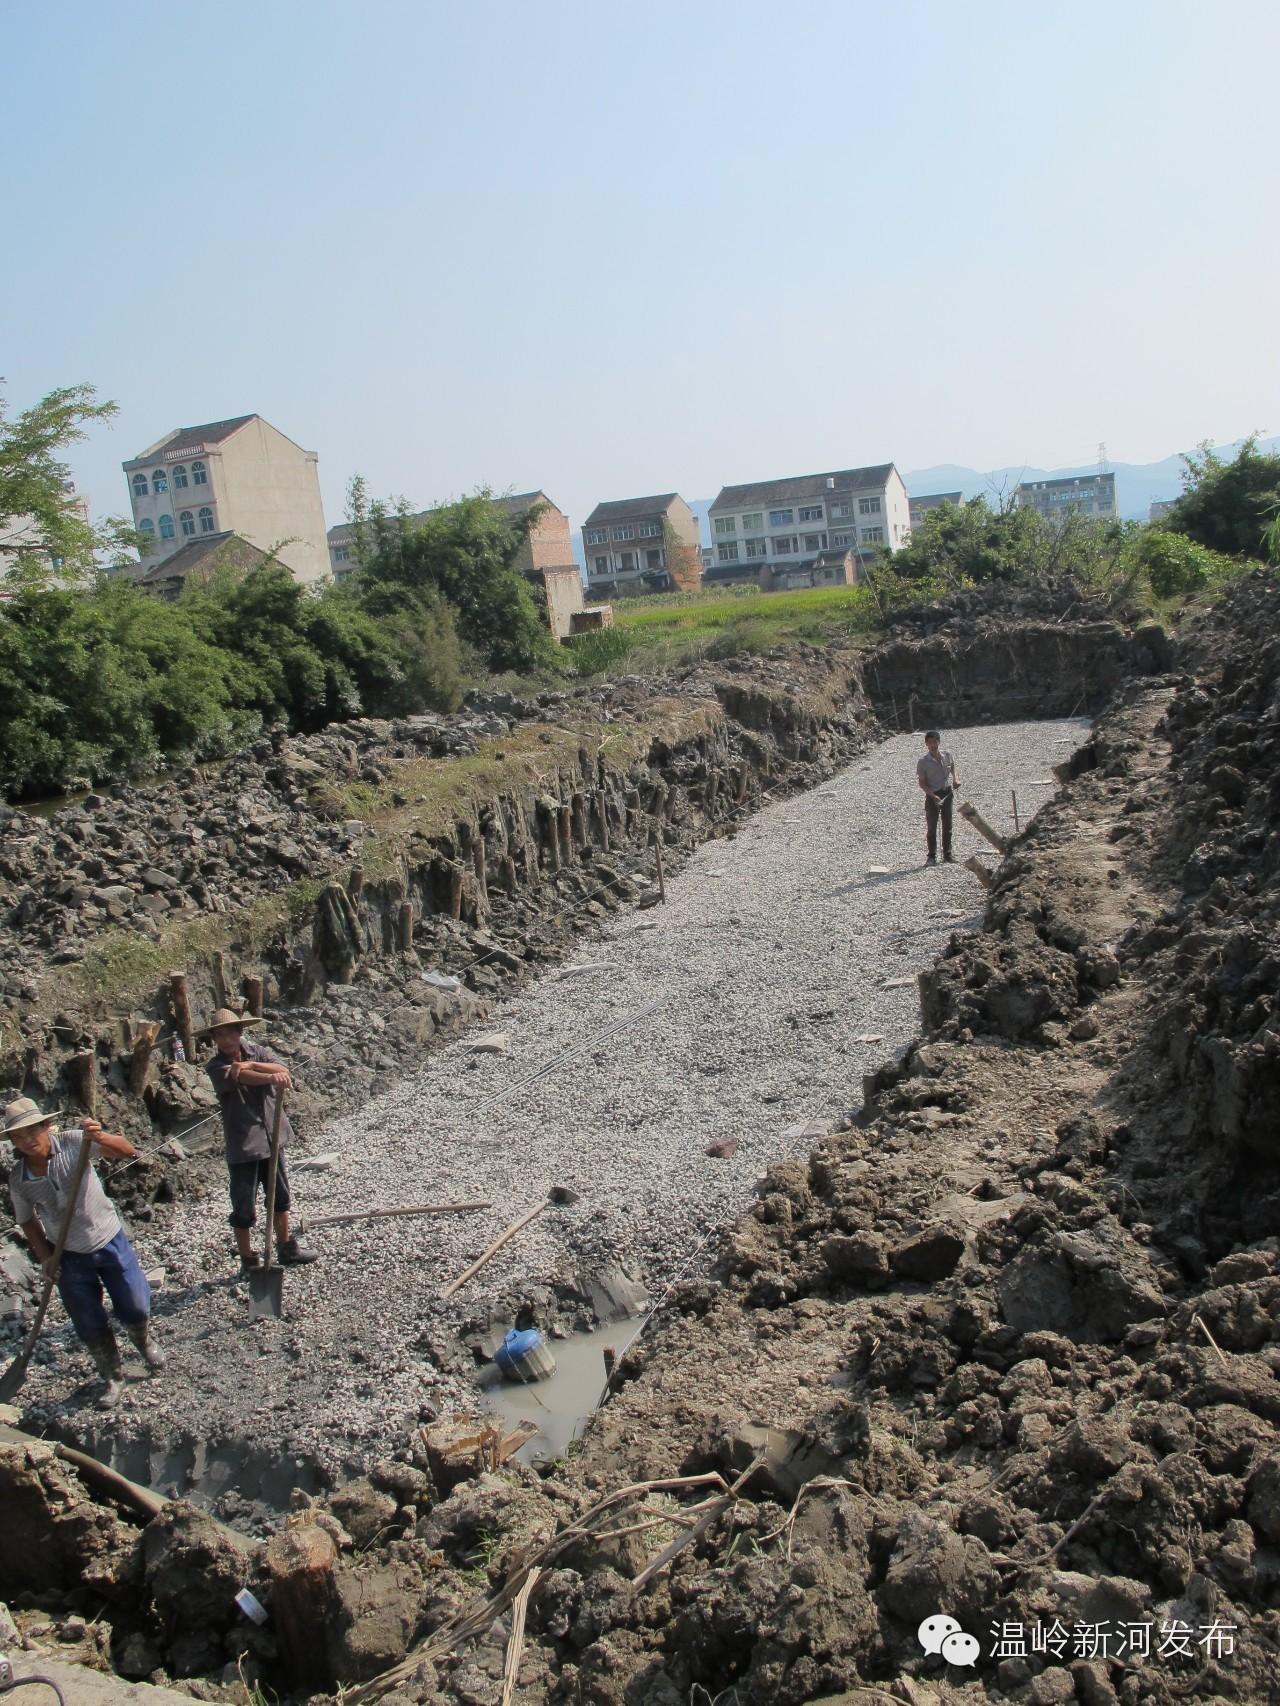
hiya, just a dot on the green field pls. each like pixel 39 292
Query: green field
pixel 659 633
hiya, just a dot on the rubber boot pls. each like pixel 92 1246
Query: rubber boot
pixel 151 1354
pixel 106 1359
pixel 292 1254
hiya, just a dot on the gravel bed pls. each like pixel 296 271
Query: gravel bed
pixel 748 1007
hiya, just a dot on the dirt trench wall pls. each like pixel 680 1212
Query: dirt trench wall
pixel 496 894
pixel 985 672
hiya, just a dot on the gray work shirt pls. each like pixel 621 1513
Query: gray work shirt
pixel 247 1109
pixel 95 1221
pixel 935 773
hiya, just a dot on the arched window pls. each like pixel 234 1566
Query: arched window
pixel 199 474
pixel 206 520
pixel 158 482
pixel 139 485
pixel 146 525
pixel 179 476
pixel 187 521
pixel 166 527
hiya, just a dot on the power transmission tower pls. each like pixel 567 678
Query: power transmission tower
pixel 1102 458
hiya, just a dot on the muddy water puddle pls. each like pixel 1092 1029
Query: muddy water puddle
pixel 560 1406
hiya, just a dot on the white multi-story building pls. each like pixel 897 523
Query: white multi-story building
pixel 1081 494
pixel 238 476
pixel 782 525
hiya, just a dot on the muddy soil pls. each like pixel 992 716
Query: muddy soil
pixel 1004 1349
pixel 1011 1342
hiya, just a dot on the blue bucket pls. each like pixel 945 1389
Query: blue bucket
pixel 515 1346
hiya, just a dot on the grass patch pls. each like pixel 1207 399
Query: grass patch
pixel 674 629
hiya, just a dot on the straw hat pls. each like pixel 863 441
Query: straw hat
pixel 22 1114
pixel 227 1016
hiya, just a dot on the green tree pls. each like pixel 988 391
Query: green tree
pixel 1228 506
pixel 42 528
pixel 466 553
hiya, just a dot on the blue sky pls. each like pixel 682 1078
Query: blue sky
pixel 607 251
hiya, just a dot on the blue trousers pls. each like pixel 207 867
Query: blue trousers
pixel 114 1269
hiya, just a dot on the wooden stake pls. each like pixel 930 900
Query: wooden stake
pixel 253 995
pixel 602 821
pixel 455 892
pixel 388 1213
pixel 478 865
pixel 406 927
pixel 499 1241
pixel 1017 827
pixel 355 883
pixel 84 1075
pixel 979 870
pixel 141 1060
pixel 222 994
pixel 182 1012
pixel 565 817
pixel 657 855
pixel 610 1363
pixel 971 815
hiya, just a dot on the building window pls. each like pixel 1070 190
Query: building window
pixel 598 536
pixel 757 547
pixel 206 520
pixel 653 559
pixel 842 541
pixel 868 506
pixel 158 482
pixel 139 485
pixel 813 542
pixel 781 517
pixel 651 530
pixel 628 561
pixel 726 524
pixel 146 525
pixel 166 527
pixel 341 554
pixel 179 476
pixel 813 513
pixel 602 565
pixel 199 474
pixel 754 522
pixel 873 536
pixel 187 522
pixel 784 547
pixel 841 509
pixel 624 533
pixel 728 553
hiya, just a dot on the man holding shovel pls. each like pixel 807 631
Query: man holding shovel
pixel 248 1080
pixel 49 1187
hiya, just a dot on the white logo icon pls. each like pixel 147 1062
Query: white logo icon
pixel 942 1634
pixel 935 1630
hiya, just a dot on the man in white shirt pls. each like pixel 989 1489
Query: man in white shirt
pixel 936 774
pixel 98 1258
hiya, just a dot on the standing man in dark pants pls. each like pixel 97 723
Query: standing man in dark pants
pixel 247 1078
pixel 936 774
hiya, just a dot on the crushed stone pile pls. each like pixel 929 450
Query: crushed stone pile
pixel 783 967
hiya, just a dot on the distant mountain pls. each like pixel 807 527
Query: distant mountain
pixel 1138 484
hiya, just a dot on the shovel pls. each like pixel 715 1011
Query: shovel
pixel 266 1284
pixel 12 1378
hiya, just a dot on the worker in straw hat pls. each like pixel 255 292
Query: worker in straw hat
pixel 98 1258
pixel 247 1078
